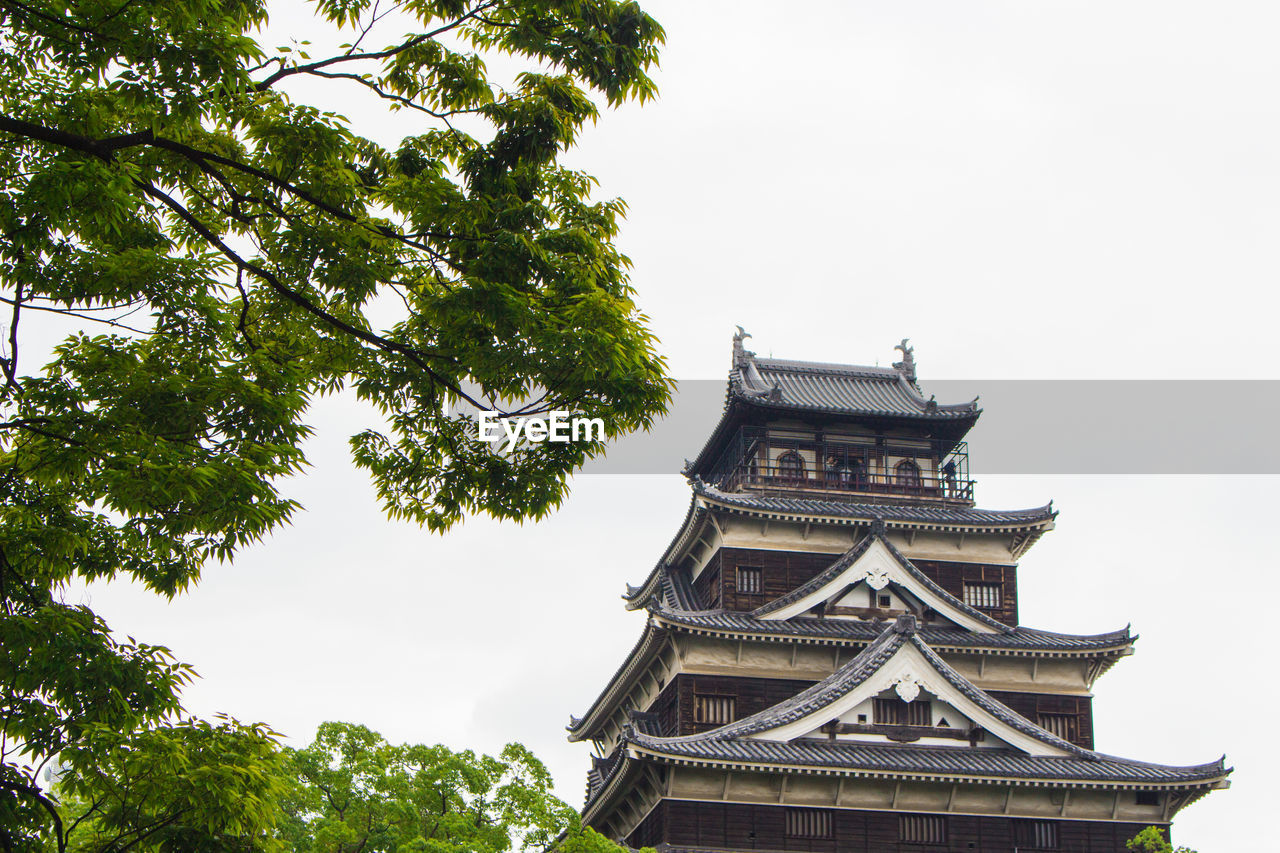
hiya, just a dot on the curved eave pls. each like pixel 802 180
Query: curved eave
pixel 1112 645
pixel 1026 530
pixel 1215 774
pixel 623 679
pixel 1036 519
pixel 637 597
pixel 962 416
pixel 617 780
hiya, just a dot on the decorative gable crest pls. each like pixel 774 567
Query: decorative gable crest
pixel 877 577
pixel 907 686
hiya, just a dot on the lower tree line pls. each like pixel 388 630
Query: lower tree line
pixel 200 787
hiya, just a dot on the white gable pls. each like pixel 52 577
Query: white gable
pixel 909 673
pixel 879 568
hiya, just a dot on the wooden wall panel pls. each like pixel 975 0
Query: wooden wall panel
pixel 782 571
pixel 708 586
pixel 725 826
pixel 675 704
pixel 951 577
pixel 1031 705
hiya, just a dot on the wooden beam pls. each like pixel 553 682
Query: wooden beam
pixel 1115 806
pixel 951 798
pixel 782 791
pixel 897 789
pixel 739 651
pixel 654 778
pixel 804 534
pixel 1066 799
pixel 724 792
pixel 716 523
pixel 839 790
pixel 1008 799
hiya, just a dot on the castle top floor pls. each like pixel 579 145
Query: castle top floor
pixel 837 431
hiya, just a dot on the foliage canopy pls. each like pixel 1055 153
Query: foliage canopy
pixel 354 791
pixel 218 251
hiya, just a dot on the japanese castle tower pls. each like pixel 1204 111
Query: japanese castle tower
pixel 832 659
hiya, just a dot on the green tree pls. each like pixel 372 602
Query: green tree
pixel 191 786
pixel 356 792
pixel 219 251
pixel 1153 839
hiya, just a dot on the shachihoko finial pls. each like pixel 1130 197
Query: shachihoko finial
pixel 740 353
pixel 907 367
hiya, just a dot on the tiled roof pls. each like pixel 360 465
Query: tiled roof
pixel 859 669
pixel 1019 638
pixel 649 644
pixel 849 557
pixel 733 743
pixel 842 632
pixel 944 516
pixel 840 388
pixel 892 514
pixel 942 761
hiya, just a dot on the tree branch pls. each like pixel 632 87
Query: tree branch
pixel 382 54
pixel 45 803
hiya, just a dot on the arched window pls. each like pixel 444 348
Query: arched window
pixel 791 466
pixel 908 474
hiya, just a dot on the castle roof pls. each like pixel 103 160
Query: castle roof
pixel 786 387
pixel 900 657
pixel 838 389
pixel 670 613
pixel 1026 524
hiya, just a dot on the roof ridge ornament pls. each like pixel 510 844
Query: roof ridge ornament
pixel 906 624
pixel 907 367
pixel 740 352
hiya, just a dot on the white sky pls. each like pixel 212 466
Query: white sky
pixel 1027 190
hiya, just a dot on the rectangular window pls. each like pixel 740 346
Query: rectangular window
pixel 808 823
pixel 922 828
pixel 1147 798
pixel 1064 726
pixel 750 579
pixel 716 710
pixel 984 596
pixel 1035 834
pixel 895 712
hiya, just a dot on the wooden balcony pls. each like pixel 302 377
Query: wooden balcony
pixel 757 460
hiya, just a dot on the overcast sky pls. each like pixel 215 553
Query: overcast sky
pixel 1027 190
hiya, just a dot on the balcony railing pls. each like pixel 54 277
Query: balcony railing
pixel 757 459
